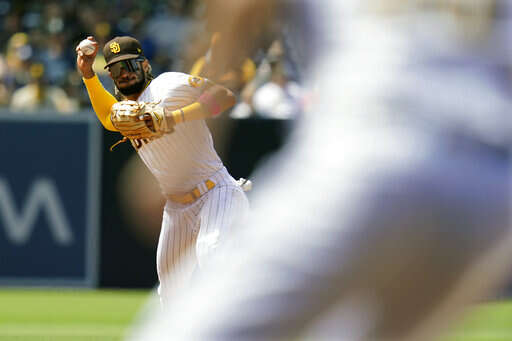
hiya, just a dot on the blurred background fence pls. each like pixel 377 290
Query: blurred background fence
pixel 49 191
pixel 61 221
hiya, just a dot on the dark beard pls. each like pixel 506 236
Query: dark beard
pixel 132 89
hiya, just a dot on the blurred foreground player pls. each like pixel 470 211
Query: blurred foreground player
pixel 387 212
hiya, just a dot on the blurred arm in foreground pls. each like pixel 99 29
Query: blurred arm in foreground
pixel 387 213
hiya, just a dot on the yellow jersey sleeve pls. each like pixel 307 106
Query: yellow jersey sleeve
pixel 101 101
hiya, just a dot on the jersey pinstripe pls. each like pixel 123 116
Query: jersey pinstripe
pixel 180 161
pixel 184 158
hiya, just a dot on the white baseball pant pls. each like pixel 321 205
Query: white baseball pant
pixel 195 231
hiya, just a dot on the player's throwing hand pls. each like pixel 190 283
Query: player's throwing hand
pixel 84 61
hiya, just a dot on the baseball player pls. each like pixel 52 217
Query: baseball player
pixel 164 120
pixel 388 211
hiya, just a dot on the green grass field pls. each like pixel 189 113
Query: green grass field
pixel 55 315
pixel 106 315
pixel 486 322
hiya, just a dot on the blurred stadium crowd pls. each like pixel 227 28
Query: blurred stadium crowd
pixel 38 40
pixel 37 60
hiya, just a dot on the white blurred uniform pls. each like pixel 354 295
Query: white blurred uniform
pixel 180 162
pixel 387 212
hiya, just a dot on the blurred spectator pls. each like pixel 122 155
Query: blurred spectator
pixel 38 95
pixel 170 25
pixel 19 52
pixel 55 60
pixel 279 98
pixel 272 93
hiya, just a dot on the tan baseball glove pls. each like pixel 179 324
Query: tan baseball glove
pixel 140 120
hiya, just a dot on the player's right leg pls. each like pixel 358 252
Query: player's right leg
pixel 176 244
pixel 225 207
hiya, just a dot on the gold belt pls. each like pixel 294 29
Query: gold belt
pixel 194 194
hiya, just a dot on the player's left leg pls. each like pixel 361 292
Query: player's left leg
pixel 225 208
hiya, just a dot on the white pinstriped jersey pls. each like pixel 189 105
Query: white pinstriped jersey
pixel 180 161
pixel 187 156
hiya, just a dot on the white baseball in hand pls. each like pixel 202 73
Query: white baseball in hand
pixel 87 47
